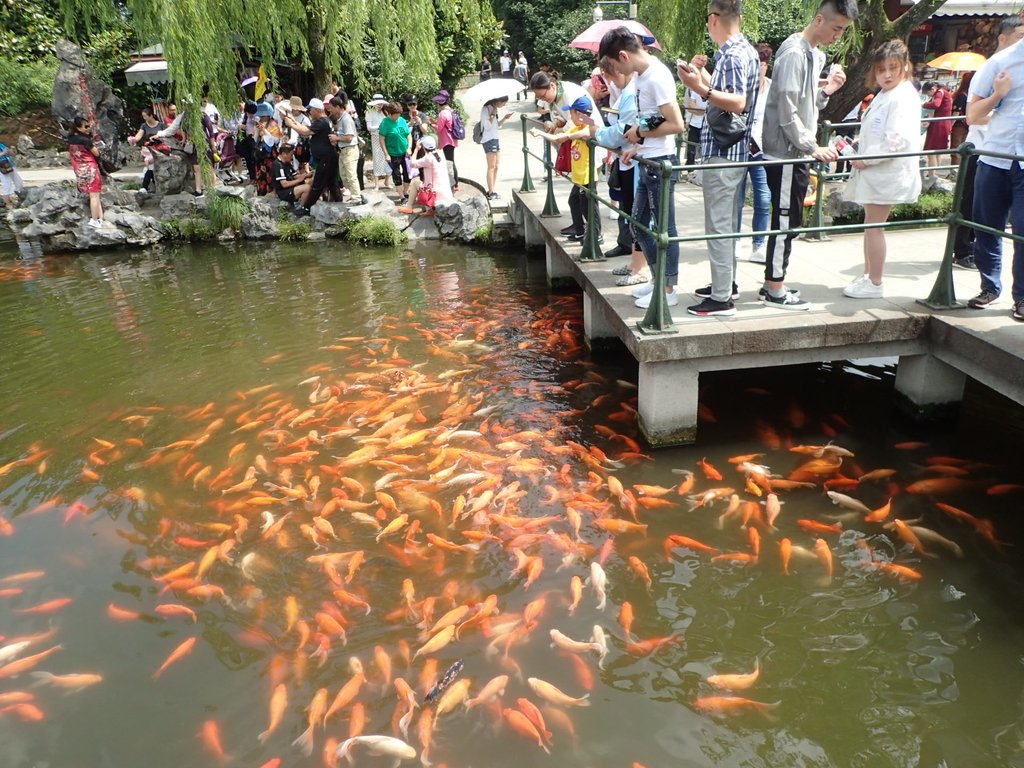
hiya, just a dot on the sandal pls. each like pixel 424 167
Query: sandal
pixel 637 278
pixel 622 271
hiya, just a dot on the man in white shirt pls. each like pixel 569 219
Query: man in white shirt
pixel 506 64
pixel 658 121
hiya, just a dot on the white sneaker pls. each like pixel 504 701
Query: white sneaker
pixel 759 254
pixel 642 290
pixel 671 299
pixel 863 288
pixel 95 223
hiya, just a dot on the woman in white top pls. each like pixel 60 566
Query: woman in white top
pixel 372 119
pixel 489 140
pixel 434 174
pixel 891 124
pixel 760 194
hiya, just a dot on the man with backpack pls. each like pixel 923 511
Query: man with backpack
pixel 450 131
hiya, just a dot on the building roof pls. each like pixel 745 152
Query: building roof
pixel 979 8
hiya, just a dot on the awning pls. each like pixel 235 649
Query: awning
pixel 979 8
pixel 147 72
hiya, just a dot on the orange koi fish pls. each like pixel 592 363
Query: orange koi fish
pixel 50 606
pixel 637 566
pixel 178 653
pixel 278 704
pixel 736 682
pixel 521 725
pixel 210 734
pixel 732 705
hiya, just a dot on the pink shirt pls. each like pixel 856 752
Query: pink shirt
pixel 435 173
pixel 444 129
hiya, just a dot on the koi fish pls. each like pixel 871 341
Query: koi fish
pixel 494 688
pixel 737 682
pixel 278 704
pixel 68 683
pixel 384 746
pixel 446 680
pixel 550 693
pixel 177 654
pixel 732 705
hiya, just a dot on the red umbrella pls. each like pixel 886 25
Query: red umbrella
pixel 590 38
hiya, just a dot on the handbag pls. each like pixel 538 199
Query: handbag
pixel 563 160
pixel 727 128
pixel 426 196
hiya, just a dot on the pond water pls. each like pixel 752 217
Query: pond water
pixel 226 472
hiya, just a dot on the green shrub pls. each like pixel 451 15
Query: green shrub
pixel 375 230
pixel 26 86
pixel 484 233
pixel 292 231
pixel 189 229
pixel 226 212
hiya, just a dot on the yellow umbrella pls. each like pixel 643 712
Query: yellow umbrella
pixel 958 61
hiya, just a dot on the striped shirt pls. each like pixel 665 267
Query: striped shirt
pixel 737 70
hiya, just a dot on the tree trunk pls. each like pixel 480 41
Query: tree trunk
pixel 875 29
pixel 317 58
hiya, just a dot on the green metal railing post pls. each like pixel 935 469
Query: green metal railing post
pixel 550 204
pixel 527 185
pixel 657 319
pixel 591 248
pixel 818 213
pixel 943 295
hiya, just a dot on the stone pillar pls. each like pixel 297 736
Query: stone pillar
pixel 533 233
pixel 668 402
pixel 558 265
pixel 596 328
pixel 927 388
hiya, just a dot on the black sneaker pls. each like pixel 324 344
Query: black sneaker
pixel 575 237
pixel 1018 310
pixel 705 292
pixel 618 250
pixel 789 301
pixel 982 300
pixel 300 211
pixel 764 292
pixel 570 230
pixel 964 262
pixel 711 308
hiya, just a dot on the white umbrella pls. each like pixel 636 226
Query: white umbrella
pixel 495 88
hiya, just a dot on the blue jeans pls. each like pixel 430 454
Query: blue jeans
pixel 762 201
pixel 645 208
pixel 998 195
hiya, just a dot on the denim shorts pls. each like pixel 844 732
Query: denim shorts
pixel 490 147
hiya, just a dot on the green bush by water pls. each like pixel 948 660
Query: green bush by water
pixel 375 230
pixel 292 231
pixel 226 212
pixel 189 229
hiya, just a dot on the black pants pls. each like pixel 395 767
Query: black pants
pixel 325 178
pixel 247 149
pixel 626 193
pixel 692 143
pixel 359 169
pixel 963 245
pixel 399 170
pixel 449 155
pixel 788 186
pixel 578 209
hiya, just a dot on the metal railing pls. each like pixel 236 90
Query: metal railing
pixel 658 320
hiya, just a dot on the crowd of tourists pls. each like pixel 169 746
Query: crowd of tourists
pixel 739 114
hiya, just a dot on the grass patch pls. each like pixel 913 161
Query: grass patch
pixel 189 229
pixel 226 212
pixel 484 233
pixel 375 230
pixel 292 231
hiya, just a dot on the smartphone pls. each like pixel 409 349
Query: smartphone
pixel 685 66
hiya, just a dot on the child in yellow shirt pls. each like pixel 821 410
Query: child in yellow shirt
pixel 580 173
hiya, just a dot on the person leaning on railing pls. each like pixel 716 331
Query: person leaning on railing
pixel 658 121
pixel 891 124
pixel 998 94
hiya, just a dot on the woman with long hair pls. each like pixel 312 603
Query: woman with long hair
pixel 85 163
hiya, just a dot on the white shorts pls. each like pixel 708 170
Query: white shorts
pixel 10 183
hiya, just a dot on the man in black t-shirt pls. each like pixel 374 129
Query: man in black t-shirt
pixel 325 156
pixel 289 184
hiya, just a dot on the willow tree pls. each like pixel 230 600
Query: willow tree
pixel 681 28
pixel 382 44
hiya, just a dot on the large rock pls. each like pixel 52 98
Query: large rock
pixel 137 228
pixel 76 91
pixel 464 219
pixel 178 206
pixel 330 214
pixel 259 225
pixel 172 174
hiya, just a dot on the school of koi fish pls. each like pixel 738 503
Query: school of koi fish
pixel 508 530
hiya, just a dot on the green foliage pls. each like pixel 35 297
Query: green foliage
pixel 189 229
pixel 29 29
pixel 484 233
pixel 226 212
pixel 26 85
pixel 109 50
pixel 292 231
pixel 375 230
pixel 550 44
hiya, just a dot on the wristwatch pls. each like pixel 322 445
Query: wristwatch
pixel 708 97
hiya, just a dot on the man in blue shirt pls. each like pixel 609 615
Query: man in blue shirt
pixel 732 89
pixel 998 98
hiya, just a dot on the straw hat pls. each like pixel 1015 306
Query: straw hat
pixel 296 104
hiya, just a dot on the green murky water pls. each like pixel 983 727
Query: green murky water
pixel 137 390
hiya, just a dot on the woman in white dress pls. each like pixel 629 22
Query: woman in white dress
pixel 891 124
pixel 373 118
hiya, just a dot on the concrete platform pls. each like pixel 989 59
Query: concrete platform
pixel 936 348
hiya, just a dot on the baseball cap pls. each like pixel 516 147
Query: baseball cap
pixel 582 104
pixel 315 104
pixel 428 143
pixel 443 97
